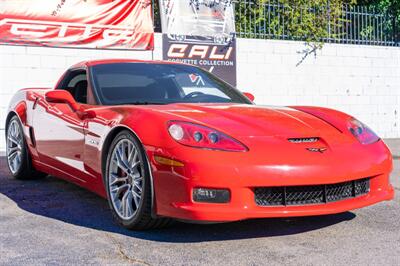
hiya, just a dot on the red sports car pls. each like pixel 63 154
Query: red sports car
pixel 162 140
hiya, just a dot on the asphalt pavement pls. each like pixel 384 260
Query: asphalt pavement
pixel 52 222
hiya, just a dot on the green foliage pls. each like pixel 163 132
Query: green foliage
pixel 390 8
pixel 316 21
pixel 313 21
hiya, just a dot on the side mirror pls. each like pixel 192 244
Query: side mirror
pixel 62 96
pixel 86 114
pixel 249 96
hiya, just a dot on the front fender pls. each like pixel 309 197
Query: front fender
pixel 335 118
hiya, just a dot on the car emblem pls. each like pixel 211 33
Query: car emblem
pixel 320 150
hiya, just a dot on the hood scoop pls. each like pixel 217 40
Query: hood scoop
pixel 304 140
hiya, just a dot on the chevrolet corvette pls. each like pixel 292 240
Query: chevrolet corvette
pixel 166 141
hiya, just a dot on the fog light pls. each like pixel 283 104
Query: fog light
pixel 211 195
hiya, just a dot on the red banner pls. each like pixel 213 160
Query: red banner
pixel 116 24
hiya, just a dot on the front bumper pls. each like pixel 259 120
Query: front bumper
pixel 247 209
pixel 241 173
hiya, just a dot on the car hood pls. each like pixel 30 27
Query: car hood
pixel 251 120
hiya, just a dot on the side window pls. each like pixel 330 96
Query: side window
pixel 76 83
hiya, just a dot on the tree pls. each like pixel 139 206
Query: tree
pixel 392 9
pixel 309 20
pixel 312 21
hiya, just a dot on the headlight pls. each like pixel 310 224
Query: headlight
pixel 198 136
pixel 362 133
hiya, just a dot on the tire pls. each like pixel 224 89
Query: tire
pixel 127 170
pixel 19 161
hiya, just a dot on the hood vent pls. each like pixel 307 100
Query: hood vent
pixel 303 140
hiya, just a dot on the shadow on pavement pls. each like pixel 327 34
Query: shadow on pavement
pixel 57 199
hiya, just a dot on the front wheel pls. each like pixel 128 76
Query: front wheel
pixel 127 181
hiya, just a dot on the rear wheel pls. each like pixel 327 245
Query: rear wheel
pixel 18 158
pixel 127 181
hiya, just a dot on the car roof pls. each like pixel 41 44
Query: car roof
pixel 113 61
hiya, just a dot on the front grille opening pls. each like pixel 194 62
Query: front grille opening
pixel 306 195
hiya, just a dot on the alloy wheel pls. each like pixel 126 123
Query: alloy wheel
pixel 14 146
pixel 125 179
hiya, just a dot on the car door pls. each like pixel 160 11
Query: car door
pixel 59 131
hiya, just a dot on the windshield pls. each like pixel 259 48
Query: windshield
pixel 150 83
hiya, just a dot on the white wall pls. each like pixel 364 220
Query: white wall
pixel 361 80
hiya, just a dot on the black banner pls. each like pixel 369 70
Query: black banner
pixel 215 56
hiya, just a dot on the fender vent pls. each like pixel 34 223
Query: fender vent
pixel 32 136
pixel 303 140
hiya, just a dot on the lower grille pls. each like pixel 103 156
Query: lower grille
pixel 305 195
